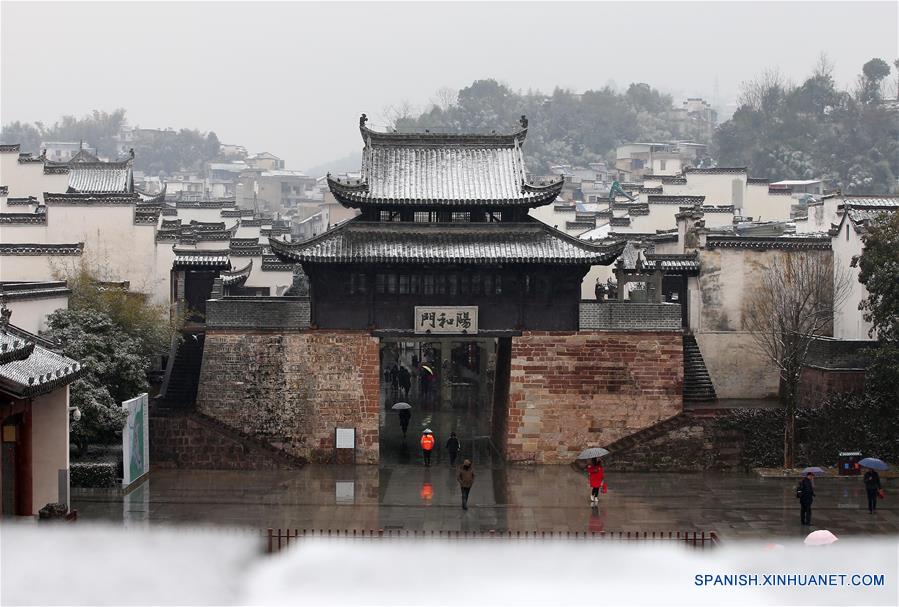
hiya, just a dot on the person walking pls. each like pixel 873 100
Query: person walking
pixel 872 488
pixel 806 494
pixel 466 480
pixel 405 380
pixel 452 447
pixel 427 445
pixel 597 475
pixel 405 416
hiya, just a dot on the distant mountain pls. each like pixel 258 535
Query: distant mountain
pixel 350 162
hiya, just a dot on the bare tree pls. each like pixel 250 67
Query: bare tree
pixel 762 92
pixel 396 114
pixel 793 304
pixel 445 98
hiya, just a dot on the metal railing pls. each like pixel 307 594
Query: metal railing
pixel 279 539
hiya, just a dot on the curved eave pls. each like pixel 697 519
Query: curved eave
pixel 533 197
pixel 400 138
pixel 235 278
pixel 41 387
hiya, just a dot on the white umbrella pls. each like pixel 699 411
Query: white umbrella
pixel 593 452
pixel 401 406
pixel 821 537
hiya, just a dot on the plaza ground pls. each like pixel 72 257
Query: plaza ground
pixel 517 498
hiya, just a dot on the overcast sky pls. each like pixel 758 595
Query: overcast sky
pixel 292 78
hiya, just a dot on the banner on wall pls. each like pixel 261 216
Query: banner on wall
pixel 136 440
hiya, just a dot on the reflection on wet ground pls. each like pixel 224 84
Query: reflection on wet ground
pixel 517 498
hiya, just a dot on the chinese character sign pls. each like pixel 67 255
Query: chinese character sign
pixel 455 320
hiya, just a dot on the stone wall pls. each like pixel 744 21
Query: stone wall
pixel 293 390
pixel 627 315
pixel 816 384
pixel 572 390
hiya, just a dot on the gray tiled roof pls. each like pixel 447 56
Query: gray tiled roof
pixel 41 371
pixel 444 170
pixel 24 218
pixel 101 177
pixel 14 347
pixel 41 249
pixel 370 242
pixel 191 258
pixel 34 290
pixel 92 198
pixel 784 243
pixel 677 199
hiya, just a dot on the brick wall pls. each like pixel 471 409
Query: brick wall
pixel 572 390
pixel 626 315
pixel 292 390
pixel 248 312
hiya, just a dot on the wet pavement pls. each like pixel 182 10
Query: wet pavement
pixel 517 498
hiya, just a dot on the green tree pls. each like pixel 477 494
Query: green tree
pixel 115 371
pixel 879 272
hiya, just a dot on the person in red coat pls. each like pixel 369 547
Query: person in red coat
pixel 597 475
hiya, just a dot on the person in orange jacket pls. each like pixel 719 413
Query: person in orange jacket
pixel 427 445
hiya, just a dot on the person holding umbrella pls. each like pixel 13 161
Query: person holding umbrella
pixel 806 494
pixel 596 474
pixel 427 445
pixel 872 480
pixel 595 471
pixel 404 411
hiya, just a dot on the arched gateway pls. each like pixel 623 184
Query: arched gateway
pixel 445 287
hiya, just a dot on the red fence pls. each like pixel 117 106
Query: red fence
pixel 278 539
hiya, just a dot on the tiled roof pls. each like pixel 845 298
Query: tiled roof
pixel 619 221
pixel 674 180
pixel 33 290
pixel 92 198
pixel 41 371
pixel 757 181
pixel 256 250
pixel 779 192
pixel 476 243
pixel 271 263
pixel 443 170
pixel 717 171
pixel 53 168
pixel 4 190
pixel 9 147
pixel 674 262
pixel 41 249
pixel 865 215
pixel 580 225
pixel 783 243
pixel 667 199
pixel 192 258
pixel 878 202
pixel 237 213
pixel 24 218
pixel 649 190
pixel 220 203
pixel 244 242
pixel 233 278
pixel 251 223
pixel 101 177
pixel 28 158
pixel 23 201
pixel 208 226
pixel 721 208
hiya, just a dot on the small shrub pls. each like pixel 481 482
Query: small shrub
pixel 92 475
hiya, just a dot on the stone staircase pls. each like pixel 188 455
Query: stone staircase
pixel 698 386
pixel 180 391
pixel 189 439
pixel 649 433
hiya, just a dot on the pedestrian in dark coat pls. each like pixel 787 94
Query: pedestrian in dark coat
pixel 405 416
pixel 404 380
pixel 806 494
pixel 872 488
pixel 466 480
pixel 452 447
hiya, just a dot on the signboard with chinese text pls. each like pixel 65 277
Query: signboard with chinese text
pixel 447 320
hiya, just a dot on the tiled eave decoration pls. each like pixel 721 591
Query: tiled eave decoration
pixel 580 225
pixel 9 147
pixel 790 243
pixel 56 169
pixel 23 201
pixel 92 199
pixel 42 249
pixel 271 263
pixel 247 251
pixel 234 278
pixel 251 223
pixel 4 190
pixel 779 192
pixel 41 372
pixel 620 221
pixel 668 199
pixel 34 290
pixel 717 171
pixel 23 218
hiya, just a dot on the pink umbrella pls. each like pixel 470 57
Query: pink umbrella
pixel 821 537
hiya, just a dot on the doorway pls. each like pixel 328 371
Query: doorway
pixel 448 383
